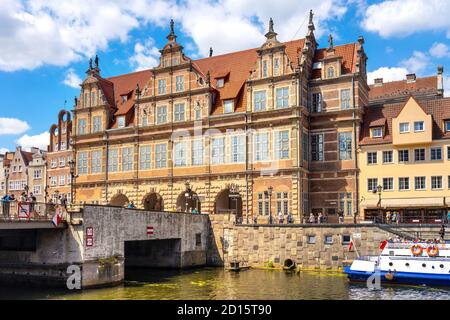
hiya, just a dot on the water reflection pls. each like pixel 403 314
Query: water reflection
pixel 213 283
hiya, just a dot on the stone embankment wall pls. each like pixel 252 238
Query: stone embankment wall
pixel 324 247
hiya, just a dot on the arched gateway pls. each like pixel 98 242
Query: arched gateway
pixel 153 202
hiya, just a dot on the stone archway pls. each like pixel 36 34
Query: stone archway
pixel 226 204
pixel 153 202
pixel 119 200
pixel 193 202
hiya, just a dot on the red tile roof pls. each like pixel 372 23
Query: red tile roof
pixel 403 89
pixel 348 52
pixel 439 109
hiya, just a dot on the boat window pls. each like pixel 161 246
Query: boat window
pixel 391 264
pixel 442 266
pixel 391 253
pixel 407 264
pixel 424 265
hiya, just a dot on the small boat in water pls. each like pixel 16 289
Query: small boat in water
pixel 413 263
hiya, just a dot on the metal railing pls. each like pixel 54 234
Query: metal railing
pixel 13 211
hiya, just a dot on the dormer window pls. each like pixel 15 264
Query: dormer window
pixel 124 98
pixel 330 72
pixel 276 67
pixel 419 126
pixel 447 126
pixel 264 73
pixel 121 122
pixel 317 65
pixel 220 82
pixel 377 132
pixel 228 106
pixel 404 127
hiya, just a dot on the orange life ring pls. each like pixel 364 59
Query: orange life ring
pixel 432 250
pixel 389 276
pixel 416 250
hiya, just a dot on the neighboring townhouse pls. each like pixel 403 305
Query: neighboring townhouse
pixel 404 160
pixel 37 170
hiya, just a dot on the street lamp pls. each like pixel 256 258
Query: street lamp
pixel 187 194
pixel 378 190
pixel 234 195
pixel 72 177
pixel 269 193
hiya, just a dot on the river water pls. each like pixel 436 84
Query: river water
pixel 216 283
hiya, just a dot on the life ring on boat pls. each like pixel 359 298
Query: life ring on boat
pixel 432 250
pixel 389 276
pixel 416 250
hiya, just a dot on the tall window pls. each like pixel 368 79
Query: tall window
pixel 377 132
pixel 388 184
pixel 127 159
pixel 387 156
pixel 37 174
pixel 262 146
pixel 345 146
pixel 282 97
pixel 97 123
pixel 94 99
pixel 144 119
pixel 238 148
pixel 436 182
pixel 330 72
pixel 144 157
pixel 113 160
pixel 316 102
pixel 447 126
pixel 217 150
pixel 345 203
pixel 372 157
pixel 228 106
pixel 263 203
pixel 197 152
pixel 86 99
pixel 179 83
pixel 81 126
pixel 198 112
pixel 281 144
pixel 161 114
pixel 96 161
pixel 264 73
pixel 161 86
pixel 317 147
pixel 62 180
pixel 283 203
pixel 345 99
pixel 403 155
pixel 419 183
pixel 259 101
pixel 180 150
pixel 121 121
pixel 82 163
pixel 436 153
pixel 161 155
pixel 276 67
pixel 305 146
pixel 419 154
pixel 403 183
pixel 179 112
pixel 372 184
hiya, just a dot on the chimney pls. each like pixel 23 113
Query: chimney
pixel 440 80
pixel 378 82
pixel 410 78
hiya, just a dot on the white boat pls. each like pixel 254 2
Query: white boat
pixel 416 263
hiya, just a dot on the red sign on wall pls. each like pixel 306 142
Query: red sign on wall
pixel 89 236
pixel 150 230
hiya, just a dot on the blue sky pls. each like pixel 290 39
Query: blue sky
pixel 45 45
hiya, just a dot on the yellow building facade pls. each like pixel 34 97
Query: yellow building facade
pixel 404 161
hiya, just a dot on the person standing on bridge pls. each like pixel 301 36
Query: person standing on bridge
pixel 5 205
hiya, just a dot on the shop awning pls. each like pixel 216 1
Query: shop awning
pixel 405 203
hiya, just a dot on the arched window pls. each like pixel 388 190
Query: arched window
pixel 330 72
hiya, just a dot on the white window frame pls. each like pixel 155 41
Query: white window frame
pixel 237 146
pixel 96 161
pixel 228 106
pixel 282 98
pixel 419 122
pixel 281 144
pixel 160 155
pixel 180 154
pixel 179 112
pixel 197 152
pixel 179 83
pixel 377 130
pixel 121 122
pixel 262 146
pixel 259 100
pixel 162 86
pixel 145 160
pixel 127 158
pixel 161 114
pixel 403 127
pixel 218 150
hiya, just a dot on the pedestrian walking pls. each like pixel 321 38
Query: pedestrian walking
pixel 280 218
pixel 290 218
pixel 388 217
pixel 255 219
pixel 442 233
pixel 312 219
pixel 448 217
pixel 320 218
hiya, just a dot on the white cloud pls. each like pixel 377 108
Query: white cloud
pixel 12 126
pixel 447 86
pixel 40 141
pixel 54 32
pixel 404 17
pixel 72 79
pixel 439 50
pixel 388 74
pixel 417 63
pixel 3 150
pixel 146 55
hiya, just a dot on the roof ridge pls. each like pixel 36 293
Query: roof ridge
pixel 128 74
pixel 395 81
